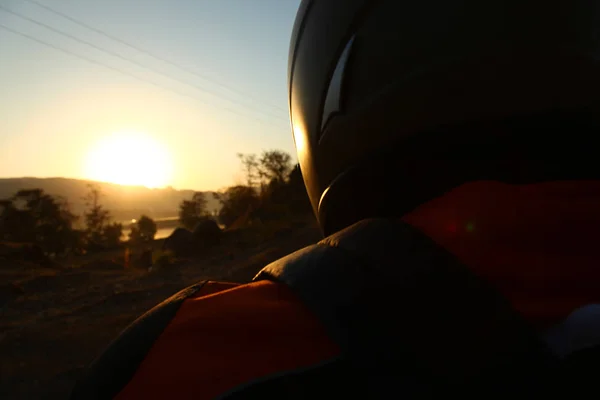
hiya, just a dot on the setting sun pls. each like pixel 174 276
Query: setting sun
pixel 130 158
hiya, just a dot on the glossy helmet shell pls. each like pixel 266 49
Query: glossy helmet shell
pixel 393 102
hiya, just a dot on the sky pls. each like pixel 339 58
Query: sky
pixel 202 81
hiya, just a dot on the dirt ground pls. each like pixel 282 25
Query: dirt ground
pixel 56 319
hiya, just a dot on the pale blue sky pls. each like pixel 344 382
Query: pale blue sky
pixel 54 107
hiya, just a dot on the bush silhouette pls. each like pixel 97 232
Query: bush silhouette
pixel 207 233
pixel 180 242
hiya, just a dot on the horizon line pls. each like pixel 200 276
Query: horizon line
pixel 168 187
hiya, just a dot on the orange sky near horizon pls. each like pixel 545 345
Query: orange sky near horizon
pixel 64 116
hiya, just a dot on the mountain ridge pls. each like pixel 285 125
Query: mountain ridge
pixel 123 201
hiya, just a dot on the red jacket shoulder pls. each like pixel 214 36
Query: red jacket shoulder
pixel 217 337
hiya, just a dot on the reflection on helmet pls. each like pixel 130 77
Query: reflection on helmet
pixel 393 102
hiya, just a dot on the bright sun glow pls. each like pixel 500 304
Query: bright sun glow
pixel 130 158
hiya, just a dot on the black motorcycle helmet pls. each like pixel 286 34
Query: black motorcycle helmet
pixel 395 102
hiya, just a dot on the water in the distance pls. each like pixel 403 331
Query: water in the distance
pixel 165 226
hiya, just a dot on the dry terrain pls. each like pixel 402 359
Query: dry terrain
pixel 56 318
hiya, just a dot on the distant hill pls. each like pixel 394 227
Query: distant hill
pixel 124 202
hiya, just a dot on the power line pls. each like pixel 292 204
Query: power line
pixel 153 55
pixel 90 60
pixel 114 54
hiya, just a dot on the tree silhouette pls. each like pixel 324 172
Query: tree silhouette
pixel 282 193
pixel 251 168
pixel 275 165
pixel 16 224
pixel 36 217
pixel 237 202
pixel 96 217
pixel 191 212
pixel 143 230
pixel 111 234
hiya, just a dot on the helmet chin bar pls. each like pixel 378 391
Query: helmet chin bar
pixel 545 147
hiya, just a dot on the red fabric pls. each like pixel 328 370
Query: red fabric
pixel 538 244
pixel 220 341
